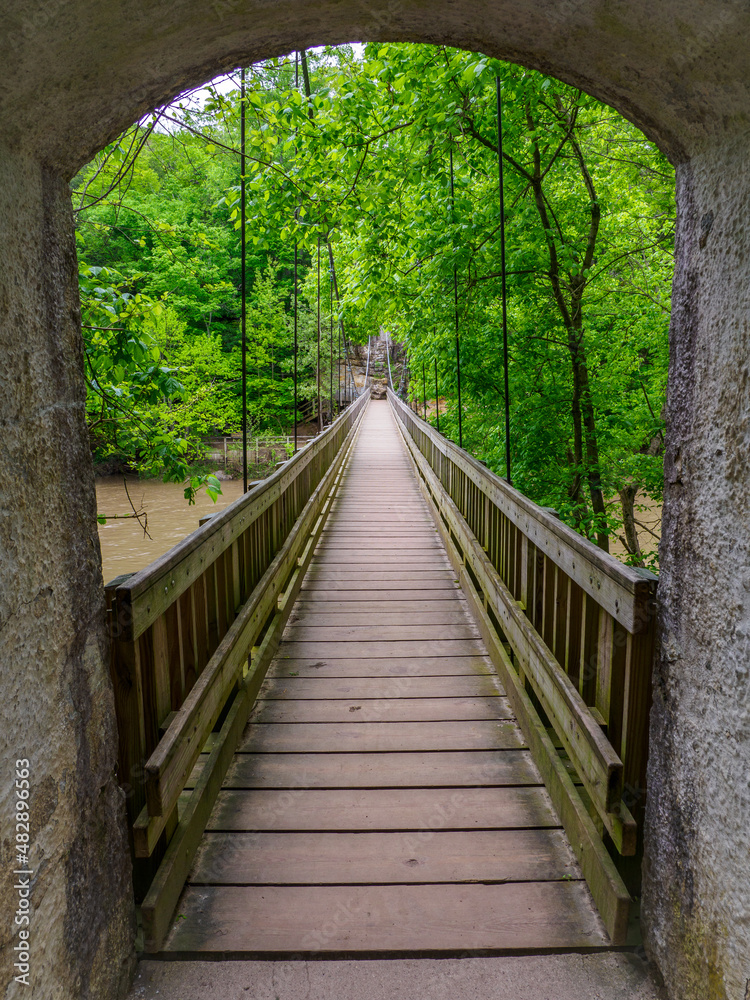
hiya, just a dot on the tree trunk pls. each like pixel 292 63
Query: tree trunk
pixel 627 501
pixel 582 388
pixel 574 492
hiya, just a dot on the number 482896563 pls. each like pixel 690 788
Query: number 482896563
pixel 22 810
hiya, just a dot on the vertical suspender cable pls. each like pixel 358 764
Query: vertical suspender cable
pixel 243 284
pixel 348 372
pixel 320 412
pixel 350 385
pixel 330 331
pixel 310 114
pixel 296 294
pixel 437 399
pixel 455 316
pixel 296 258
pixel 338 351
pixel 424 389
pixel 502 271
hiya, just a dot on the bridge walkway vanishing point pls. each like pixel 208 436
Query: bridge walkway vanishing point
pixel 382 799
pixel 448 692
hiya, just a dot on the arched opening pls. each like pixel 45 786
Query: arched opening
pixel 682 80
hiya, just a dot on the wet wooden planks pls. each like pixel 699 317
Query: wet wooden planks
pixel 419 710
pixel 385 919
pixel 366 858
pixel 382 799
pixel 354 809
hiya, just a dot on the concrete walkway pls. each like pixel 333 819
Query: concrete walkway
pixel 600 976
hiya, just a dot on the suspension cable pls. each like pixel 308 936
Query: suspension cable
pixel 320 412
pixel 502 271
pixel 296 285
pixel 388 358
pixel 455 315
pixel 437 398
pixel 330 333
pixel 243 279
pixel 342 330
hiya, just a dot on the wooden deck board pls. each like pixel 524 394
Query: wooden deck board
pixel 365 858
pixel 434 605
pixel 405 809
pixel 407 594
pixel 380 736
pixel 376 633
pixel 375 647
pixel 319 920
pixel 389 554
pixel 367 585
pixel 346 572
pixel 390 710
pixel 378 557
pixel 460 686
pixel 318 617
pixel 384 666
pixel 382 799
pixel 445 769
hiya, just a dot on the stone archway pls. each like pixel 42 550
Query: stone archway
pixel 75 74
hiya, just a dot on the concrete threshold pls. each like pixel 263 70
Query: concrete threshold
pixel 592 976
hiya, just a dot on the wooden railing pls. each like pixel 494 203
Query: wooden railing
pixel 571 632
pixel 192 637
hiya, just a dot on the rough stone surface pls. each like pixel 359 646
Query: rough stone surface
pixel 74 74
pixel 549 977
pixel 679 68
pixel 56 703
pixel 697 873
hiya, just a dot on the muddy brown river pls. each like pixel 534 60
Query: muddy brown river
pixel 125 549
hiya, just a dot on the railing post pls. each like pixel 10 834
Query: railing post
pixel 236 579
pixel 604 650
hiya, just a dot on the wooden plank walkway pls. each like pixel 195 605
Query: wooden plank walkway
pixel 382 799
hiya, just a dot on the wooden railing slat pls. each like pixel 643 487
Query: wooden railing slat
pixel 178 646
pixel 595 759
pixel 200 617
pixel 575 631
pixel 604 649
pixel 170 764
pixel 606 885
pixel 566 646
pixel 626 592
pixel 150 591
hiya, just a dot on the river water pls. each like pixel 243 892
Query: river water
pixel 125 549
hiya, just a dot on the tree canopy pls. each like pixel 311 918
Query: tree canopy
pixel 387 154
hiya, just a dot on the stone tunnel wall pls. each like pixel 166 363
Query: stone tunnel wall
pixel 75 73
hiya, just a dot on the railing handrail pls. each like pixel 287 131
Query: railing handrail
pixel 274 439
pixel 192 637
pixel 639 584
pixel 571 633
pixel 251 503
